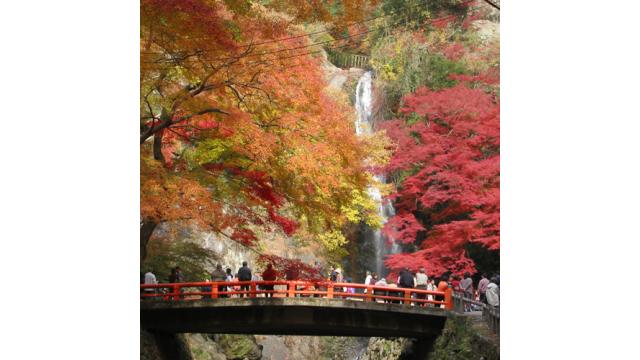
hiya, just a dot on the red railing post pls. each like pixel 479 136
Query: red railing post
pixel 407 296
pixel 291 287
pixel 253 290
pixel 369 294
pixel 448 299
pixel 214 291
pixel 176 292
pixel 330 291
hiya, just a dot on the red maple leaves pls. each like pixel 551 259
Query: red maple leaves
pixel 448 158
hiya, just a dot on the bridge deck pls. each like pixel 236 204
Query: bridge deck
pixel 292 316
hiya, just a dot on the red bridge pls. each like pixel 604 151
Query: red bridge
pixel 294 308
pixel 279 289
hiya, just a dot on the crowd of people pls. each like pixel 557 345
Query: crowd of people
pixel 244 273
pixel 485 290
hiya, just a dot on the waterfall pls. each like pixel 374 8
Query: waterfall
pixel 364 126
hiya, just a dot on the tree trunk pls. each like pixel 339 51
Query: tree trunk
pixel 146 230
pixel 157 146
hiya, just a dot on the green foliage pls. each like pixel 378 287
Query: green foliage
pixel 239 346
pixel 404 64
pixel 193 259
pixel 412 118
pixel 206 151
pixel 412 14
pixel 438 70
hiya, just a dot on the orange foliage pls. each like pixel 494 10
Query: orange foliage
pixel 244 132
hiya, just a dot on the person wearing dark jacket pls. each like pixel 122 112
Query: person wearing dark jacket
pixel 406 279
pixel 177 277
pixel 244 274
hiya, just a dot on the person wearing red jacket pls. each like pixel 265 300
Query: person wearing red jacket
pixel 270 274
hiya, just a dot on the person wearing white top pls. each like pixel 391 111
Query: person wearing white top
pixel 431 287
pixel 421 284
pixel 367 280
pixel 493 293
pixel 150 279
pixel 381 282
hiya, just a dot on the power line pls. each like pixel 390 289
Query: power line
pixel 294 48
pixel 328 30
pixel 266 60
pixel 263 62
pixel 274 51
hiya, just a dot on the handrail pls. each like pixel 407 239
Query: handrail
pixel 326 289
pixel 490 314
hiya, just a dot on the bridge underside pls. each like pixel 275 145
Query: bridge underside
pixel 292 316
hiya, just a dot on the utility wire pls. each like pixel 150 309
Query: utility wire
pixel 328 30
pixel 295 48
pixel 271 52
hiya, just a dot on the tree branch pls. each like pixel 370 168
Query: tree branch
pixel 492 4
pixel 166 122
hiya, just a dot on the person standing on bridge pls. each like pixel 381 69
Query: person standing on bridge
pixel 229 278
pixel 405 279
pixel 482 288
pixel 443 286
pixel 270 274
pixel 466 286
pixel 206 290
pixel 339 276
pixel 333 275
pixel 177 277
pixel 218 275
pixel 381 282
pixel 244 274
pixel 421 284
pixel 149 279
pixel 493 293
pixel 454 280
pixel 367 280
pixel 431 286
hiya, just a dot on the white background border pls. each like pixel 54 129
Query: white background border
pixel 70 178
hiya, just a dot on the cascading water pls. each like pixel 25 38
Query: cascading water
pixel 385 209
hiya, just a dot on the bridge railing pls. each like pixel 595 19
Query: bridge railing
pixel 490 314
pixel 282 288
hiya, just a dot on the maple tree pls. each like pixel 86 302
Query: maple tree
pixel 236 130
pixel 447 168
pixel 444 84
pixel 294 267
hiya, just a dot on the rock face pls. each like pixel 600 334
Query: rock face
pixel 464 338
pixel 289 347
pixel 386 349
pixel 148 347
pixel 203 347
pixel 239 347
pixel 163 346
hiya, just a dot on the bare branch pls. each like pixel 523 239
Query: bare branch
pixel 492 4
